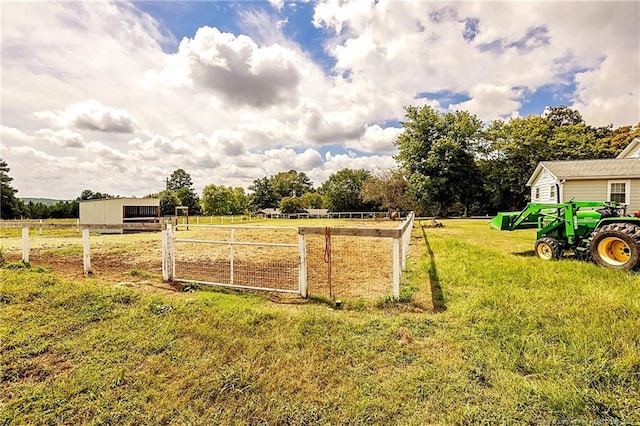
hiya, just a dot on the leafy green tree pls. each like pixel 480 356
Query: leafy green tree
pixel 223 200
pixel 618 139
pixel 240 201
pixel 37 210
pixel 217 200
pixel 168 202
pixel 190 199
pixel 509 156
pixel 436 150
pixel 312 200
pixel 290 184
pixel 267 192
pixel 179 179
pixel 342 191
pixel 64 210
pixel 88 194
pixel 10 206
pixel 291 205
pixel 510 151
pixel 388 188
pixel 563 116
pixel 264 196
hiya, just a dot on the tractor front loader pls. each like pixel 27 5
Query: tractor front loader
pixel 588 229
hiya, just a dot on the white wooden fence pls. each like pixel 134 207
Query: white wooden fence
pixel 85 228
pixel 400 237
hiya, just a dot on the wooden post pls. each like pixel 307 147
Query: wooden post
pixel 397 272
pixel 302 271
pixel 86 253
pixel 231 259
pixel 25 245
pixel 165 273
pixel 41 227
pixel 167 254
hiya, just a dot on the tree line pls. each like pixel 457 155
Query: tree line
pixel 448 163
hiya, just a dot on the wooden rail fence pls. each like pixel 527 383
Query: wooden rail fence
pixel 84 227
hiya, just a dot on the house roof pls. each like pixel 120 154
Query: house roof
pixel 117 199
pixel 317 211
pixel 268 211
pixel 632 148
pixel 589 169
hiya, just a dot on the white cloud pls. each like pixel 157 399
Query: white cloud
pixel 230 108
pixel 377 139
pixel 92 115
pixel 609 94
pixel 490 102
pixel 237 69
pixel 63 138
pixel 13 135
pixel 277 4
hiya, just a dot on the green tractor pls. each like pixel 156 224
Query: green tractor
pixel 588 229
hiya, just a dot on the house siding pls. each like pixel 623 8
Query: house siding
pixel 634 203
pixel 596 190
pixel 544 182
pixel 585 190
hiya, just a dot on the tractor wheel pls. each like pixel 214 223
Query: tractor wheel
pixel 548 248
pixel 616 246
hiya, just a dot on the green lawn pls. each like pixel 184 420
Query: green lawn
pixel 511 340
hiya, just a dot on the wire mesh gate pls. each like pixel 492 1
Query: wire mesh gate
pixel 244 257
pixel 338 262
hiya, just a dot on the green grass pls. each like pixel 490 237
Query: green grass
pixel 516 340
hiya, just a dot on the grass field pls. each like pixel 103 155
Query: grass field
pixel 488 334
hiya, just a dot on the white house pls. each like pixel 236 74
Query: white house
pixel 615 179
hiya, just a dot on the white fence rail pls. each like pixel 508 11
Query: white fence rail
pixel 86 244
pixel 291 260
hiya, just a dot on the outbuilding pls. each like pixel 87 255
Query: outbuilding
pixel 115 211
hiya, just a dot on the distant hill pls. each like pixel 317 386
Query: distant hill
pixel 45 201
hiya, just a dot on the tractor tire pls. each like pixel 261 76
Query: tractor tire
pixel 616 246
pixel 548 248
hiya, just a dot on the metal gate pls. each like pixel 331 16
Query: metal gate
pixel 243 257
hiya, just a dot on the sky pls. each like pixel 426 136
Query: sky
pixel 115 96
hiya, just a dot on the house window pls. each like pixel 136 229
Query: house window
pixel 552 192
pixel 619 191
pixel 537 193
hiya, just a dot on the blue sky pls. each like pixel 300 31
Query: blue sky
pixel 184 18
pixel 119 94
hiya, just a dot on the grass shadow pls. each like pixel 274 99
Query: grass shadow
pixel 437 295
pixel 527 253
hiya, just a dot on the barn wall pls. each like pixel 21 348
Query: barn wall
pixel 110 211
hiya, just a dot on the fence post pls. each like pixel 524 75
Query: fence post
pixel 168 257
pixel 397 271
pixel 41 227
pixel 231 257
pixel 86 253
pixel 25 245
pixel 302 271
